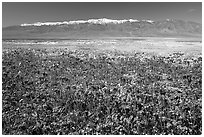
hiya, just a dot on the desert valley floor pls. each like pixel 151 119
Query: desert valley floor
pixel 158 45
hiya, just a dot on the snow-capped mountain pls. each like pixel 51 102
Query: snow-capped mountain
pixel 92 21
pixel 103 28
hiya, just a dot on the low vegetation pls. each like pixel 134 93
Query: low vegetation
pixel 82 92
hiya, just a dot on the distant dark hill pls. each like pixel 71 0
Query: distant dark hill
pixel 104 28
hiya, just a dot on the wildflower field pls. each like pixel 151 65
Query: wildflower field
pixel 50 92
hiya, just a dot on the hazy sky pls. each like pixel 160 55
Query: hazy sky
pixel 30 12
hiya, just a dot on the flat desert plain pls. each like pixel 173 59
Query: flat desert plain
pixel 157 45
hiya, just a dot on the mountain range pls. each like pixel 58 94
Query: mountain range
pixel 102 28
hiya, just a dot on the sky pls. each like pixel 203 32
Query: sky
pixel 16 13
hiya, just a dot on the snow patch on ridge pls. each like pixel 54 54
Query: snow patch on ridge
pixel 149 21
